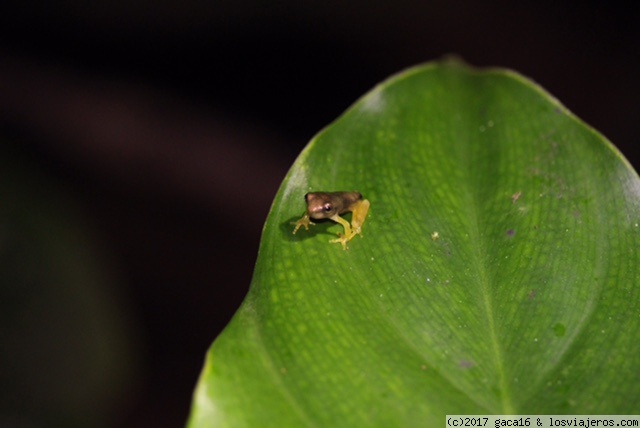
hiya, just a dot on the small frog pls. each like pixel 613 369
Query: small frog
pixel 321 205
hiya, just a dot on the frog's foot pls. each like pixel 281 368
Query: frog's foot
pixel 343 239
pixel 304 221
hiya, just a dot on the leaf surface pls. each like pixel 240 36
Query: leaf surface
pixel 497 273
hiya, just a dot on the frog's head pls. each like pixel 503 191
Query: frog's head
pixel 321 205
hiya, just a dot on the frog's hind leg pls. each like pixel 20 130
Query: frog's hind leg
pixel 359 215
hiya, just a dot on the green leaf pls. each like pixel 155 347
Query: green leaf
pixel 498 271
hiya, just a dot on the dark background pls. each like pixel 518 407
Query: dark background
pixel 169 126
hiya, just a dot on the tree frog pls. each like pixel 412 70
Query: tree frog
pixel 331 205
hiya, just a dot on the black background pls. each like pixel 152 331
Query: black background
pixel 171 125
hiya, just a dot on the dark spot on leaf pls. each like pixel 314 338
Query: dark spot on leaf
pixel 464 364
pixel 510 233
pixel 559 330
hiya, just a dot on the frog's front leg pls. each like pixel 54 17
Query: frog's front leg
pixel 304 221
pixel 348 232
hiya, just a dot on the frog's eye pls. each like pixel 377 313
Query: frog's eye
pixel 328 208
